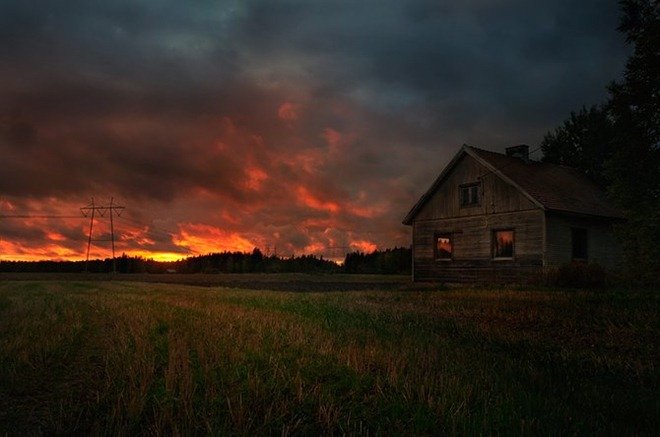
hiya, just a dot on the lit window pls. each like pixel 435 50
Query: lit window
pixel 503 244
pixel 469 194
pixel 579 243
pixel 443 247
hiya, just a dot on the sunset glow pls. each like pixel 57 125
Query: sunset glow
pixel 300 128
pixel 363 246
pixel 202 239
pixel 156 256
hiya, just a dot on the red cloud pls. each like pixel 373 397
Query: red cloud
pixel 288 111
pixel 202 239
pixel 255 178
pixel 363 246
pixel 305 197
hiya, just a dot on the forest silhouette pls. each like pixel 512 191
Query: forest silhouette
pixel 388 261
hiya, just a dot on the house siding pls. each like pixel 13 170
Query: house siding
pixel 542 235
pixel 472 251
pixel 602 247
pixel 497 196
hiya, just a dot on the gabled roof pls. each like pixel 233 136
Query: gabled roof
pixel 549 186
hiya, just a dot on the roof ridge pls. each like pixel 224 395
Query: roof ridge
pixel 529 161
pixel 483 150
pixel 544 183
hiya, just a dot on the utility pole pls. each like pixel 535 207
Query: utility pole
pixel 91 226
pixel 112 236
pixel 91 210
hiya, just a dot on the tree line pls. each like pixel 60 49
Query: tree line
pixel 388 261
pixel 617 142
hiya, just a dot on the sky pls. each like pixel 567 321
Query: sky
pixel 297 127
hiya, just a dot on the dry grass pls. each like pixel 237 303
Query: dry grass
pixel 130 358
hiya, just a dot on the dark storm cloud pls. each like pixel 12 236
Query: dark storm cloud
pixel 480 54
pixel 330 115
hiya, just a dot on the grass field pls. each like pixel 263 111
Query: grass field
pixel 145 358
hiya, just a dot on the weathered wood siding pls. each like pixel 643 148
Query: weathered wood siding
pixel 472 247
pixel 502 206
pixel 602 247
pixel 497 195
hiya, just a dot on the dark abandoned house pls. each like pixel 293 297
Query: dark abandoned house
pixel 490 216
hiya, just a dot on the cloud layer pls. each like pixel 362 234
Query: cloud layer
pixel 310 126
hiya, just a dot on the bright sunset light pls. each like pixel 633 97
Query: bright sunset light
pixel 227 126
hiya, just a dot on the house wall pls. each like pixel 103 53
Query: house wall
pixel 472 247
pixel 497 195
pixel 502 207
pixel 602 247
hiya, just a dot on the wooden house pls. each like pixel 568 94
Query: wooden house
pixel 492 216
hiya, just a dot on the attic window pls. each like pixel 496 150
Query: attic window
pixel 469 194
pixel 443 247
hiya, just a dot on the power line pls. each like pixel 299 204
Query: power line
pixel 150 227
pixel 155 230
pixel 93 211
pixel 37 216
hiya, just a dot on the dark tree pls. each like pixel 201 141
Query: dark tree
pixel 634 107
pixel 633 172
pixel 582 142
pixel 618 143
pixel 397 261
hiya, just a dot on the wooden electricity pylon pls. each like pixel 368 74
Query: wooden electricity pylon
pixel 91 210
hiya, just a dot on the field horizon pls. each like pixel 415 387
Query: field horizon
pixel 118 357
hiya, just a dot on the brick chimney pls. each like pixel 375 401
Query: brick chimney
pixel 521 151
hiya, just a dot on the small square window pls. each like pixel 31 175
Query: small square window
pixel 469 194
pixel 503 244
pixel 443 247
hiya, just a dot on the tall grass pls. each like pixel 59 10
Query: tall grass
pixel 128 358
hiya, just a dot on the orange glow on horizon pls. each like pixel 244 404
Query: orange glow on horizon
pixel 302 216
pixel 16 252
pixel 314 248
pixel 363 246
pixel 52 252
pixel 203 239
pixel 157 256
